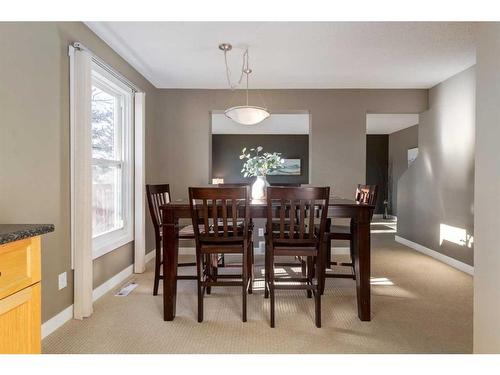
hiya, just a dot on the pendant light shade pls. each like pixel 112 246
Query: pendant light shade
pixel 243 114
pixel 247 114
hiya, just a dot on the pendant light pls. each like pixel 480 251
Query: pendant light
pixel 243 114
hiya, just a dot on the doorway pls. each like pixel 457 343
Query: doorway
pixel 391 140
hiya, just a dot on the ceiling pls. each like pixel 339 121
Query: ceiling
pixel 294 54
pixel 387 123
pixel 277 123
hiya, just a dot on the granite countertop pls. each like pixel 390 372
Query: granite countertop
pixel 16 232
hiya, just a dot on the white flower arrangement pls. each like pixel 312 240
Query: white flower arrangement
pixel 257 164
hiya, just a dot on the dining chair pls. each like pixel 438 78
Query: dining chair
pixel 296 207
pixel 224 217
pixel 301 262
pixel 365 194
pixel 157 196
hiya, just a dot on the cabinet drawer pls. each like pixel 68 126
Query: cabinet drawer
pixel 19 265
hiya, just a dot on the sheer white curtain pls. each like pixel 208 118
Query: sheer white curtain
pixel 81 62
pixel 140 181
pixel 81 177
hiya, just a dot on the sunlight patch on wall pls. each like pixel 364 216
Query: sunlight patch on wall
pixel 455 235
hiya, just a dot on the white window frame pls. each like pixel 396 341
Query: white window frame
pixel 109 241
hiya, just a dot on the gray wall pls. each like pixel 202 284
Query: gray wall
pixel 182 136
pixel 34 143
pixel 399 143
pixel 487 199
pixel 438 188
pixel 226 149
pixel 377 160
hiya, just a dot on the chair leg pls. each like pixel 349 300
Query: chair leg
pixel 320 285
pixel 317 305
pixel 272 306
pixel 209 272
pixel 157 267
pixel 250 264
pixel 321 266
pixel 351 248
pixel 214 267
pixel 244 271
pixel 199 271
pixel 271 289
pixel 215 270
pixel 303 267
pixel 309 275
pixel 328 262
pixel 266 273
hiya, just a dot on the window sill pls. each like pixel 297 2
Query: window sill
pixel 108 243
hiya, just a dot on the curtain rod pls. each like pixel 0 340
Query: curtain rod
pixel 106 66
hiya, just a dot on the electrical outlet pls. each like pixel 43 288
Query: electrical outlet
pixel 63 281
pixel 261 232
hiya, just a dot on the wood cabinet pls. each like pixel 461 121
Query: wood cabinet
pixel 20 305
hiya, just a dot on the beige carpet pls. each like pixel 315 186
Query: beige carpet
pixel 419 305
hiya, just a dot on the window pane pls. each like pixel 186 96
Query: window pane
pixel 105 129
pixel 106 199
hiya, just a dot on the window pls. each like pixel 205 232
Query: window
pixel 112 162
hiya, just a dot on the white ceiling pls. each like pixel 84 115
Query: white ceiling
pixel 387 123
pixel 277 123
pixel 294 54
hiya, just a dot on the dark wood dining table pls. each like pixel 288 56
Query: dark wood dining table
pixel 359 213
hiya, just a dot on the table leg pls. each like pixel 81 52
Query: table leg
pixel 361 235
pixel 170 257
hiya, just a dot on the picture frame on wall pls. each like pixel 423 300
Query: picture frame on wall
pixel 290 167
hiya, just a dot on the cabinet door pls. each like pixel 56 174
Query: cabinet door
pixel 20 322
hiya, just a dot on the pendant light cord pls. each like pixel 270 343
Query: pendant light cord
pixel 228 71
pixel 245 70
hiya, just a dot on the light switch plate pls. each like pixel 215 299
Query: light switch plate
pixel 63 281
pixel 261 232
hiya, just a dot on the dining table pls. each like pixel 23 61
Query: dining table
pixel 359 213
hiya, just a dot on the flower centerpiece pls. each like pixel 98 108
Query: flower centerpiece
pixel 259 165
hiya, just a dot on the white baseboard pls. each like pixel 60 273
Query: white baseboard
pixel 149 256
pixel 111 283
pixel 436 255
pixel 67 314
pixel 57 321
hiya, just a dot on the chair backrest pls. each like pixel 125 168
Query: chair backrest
pixel 157 195
pixel 296 209
pixel 367 194
pixel 223 213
